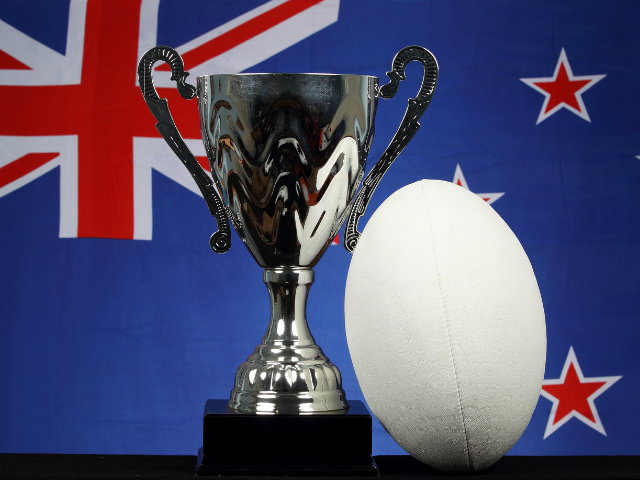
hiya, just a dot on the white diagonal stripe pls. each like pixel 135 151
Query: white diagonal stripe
pixel 48 67
pixel 260 47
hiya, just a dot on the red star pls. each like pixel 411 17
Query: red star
pixel 458 179
pixel 563 90
pixel 573 396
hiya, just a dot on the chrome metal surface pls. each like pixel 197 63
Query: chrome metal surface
pixel 287 152
pixel 288 373
pixel 409 126
pixel 220 241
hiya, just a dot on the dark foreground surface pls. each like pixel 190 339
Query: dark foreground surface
pixel 397 466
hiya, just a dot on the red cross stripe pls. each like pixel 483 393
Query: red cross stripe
pixel 103 109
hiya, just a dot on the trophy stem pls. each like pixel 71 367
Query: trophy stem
pixel 288 373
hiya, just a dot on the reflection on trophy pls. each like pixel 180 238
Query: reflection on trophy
pixel 287 154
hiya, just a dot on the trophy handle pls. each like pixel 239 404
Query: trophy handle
pixel 221 240
pixel 409 126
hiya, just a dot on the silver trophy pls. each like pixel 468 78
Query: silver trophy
pixel 287 153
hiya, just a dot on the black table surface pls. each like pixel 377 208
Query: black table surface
pixel 14 465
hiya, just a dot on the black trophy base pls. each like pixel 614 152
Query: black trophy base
pixel 327 444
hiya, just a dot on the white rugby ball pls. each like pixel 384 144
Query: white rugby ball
pixel 445 326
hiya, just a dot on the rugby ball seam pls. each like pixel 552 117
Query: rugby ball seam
pixel 446 322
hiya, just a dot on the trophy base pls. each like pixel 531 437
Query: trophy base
pixel 325 444
pixel 288 374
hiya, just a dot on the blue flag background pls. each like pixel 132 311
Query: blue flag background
pixel 112 345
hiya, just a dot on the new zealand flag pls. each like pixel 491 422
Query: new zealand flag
pixel 117 321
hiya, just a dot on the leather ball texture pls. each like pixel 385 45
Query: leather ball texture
pixel 445 326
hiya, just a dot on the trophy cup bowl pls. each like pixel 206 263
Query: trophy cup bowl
pixel 287 153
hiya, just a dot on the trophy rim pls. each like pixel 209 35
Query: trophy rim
pixel 287 75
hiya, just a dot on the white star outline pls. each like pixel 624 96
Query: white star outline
pixel 487 197
pixel 582 113
pixel 597 425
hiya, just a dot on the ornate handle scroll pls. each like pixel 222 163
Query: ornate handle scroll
pixel 409 126
pixel 221 240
